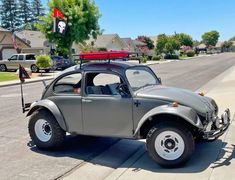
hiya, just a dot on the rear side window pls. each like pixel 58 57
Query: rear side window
pixel 21 57
pixel 30 57
pixel 70 84
pixel 103 79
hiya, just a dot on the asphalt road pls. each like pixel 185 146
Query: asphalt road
pixel 21 161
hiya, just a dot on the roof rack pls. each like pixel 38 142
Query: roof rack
pixel 102 56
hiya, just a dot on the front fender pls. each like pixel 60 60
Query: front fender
pixel 51 106
pixel 184 112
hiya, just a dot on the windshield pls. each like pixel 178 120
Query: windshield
pixel 140 77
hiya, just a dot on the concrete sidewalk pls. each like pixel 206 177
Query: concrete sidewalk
pixel 129 159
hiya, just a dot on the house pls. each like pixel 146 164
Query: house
pixel 7 46
pixel 108 41
pixel 142 47
pixel 233 46
pixel 218 46
pixel 130 46
pixel 37 41
pixel 201 48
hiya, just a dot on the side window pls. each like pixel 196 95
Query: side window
pixel 30 57
pixel 102 84
pixel 21 57
pixel 13 57
pixel 70 84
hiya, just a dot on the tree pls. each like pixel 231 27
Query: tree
pixel 9 14
pixel 167 44
pixel 196 43
pixel 25 14
pixel 37 9
pixel 82 19
pixel 227 45
pixel 161 42
pixel 172 45
pixel 210 38
pixel 184 39
pixel 147 41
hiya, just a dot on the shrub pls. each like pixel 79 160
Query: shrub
pixel 143 60
pixel 171 56
pixel 156 58
pixel 43 61
pixel 190 53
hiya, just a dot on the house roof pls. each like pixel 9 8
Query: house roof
pixel 201 46
pixel 129 43
pixel 33 38
pixel 102 40
pixel 138 43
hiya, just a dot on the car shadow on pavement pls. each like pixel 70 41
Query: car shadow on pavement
pixel 78 147
pixel 85 148
pixel 206 155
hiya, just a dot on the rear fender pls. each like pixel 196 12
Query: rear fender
pixel 186 113
pixel 51 106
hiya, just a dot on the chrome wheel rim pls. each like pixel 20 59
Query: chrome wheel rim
pixel 43 130
pixel 169 145
pixel 34 68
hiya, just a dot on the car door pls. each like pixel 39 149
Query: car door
pixel 20 60
pixel 67 97
pixel 105 111
pixel 12 62
pixel 29 60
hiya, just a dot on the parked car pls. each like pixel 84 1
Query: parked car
pixel 26 60
pixel 61 63
pixel 125 100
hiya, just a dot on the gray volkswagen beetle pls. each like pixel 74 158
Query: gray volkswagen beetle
pixel 124 100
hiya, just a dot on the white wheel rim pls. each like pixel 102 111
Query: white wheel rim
pixel 43 130
pixel 169 145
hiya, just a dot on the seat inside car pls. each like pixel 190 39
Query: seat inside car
pixel 99 90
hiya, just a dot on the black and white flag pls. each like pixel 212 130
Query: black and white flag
pixel 60 26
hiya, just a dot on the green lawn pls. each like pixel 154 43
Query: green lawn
pixel 7 76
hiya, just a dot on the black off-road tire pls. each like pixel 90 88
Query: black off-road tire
pixel 34 69
pixel 3 68
pixel 185 134
pixel 57 134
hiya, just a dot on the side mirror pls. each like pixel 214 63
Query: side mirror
pixel 160 80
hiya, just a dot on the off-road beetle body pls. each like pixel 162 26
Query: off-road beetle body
pixel 125 100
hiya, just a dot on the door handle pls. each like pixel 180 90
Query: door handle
pixel 86 100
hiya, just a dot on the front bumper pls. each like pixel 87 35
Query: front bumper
pixel 218 127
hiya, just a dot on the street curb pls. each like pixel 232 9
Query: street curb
pixel 26 82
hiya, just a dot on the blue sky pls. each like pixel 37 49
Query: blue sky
pixel 130 18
